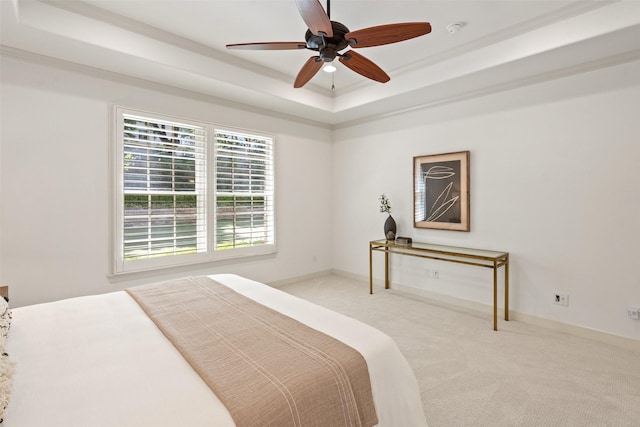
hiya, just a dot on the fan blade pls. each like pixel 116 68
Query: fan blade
pixel 268 46
pixel 364 66
pixel 385 34
pixel 308 70
pixel 315 17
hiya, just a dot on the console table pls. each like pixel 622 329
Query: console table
pixel 468 256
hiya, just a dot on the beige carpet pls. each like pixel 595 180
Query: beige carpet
pixel 469 375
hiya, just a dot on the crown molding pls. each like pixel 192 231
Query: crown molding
pixel 35 58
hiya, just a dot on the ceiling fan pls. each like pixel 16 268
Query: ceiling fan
pixel 328 38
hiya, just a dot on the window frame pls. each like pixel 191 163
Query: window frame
pixel 122 266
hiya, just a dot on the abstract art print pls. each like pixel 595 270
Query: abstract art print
pixel 441 191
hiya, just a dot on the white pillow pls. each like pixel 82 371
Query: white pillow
pixel 4 306
pixel 6 365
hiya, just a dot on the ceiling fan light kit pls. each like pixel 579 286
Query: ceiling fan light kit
pixel 329 68
pixel 329 38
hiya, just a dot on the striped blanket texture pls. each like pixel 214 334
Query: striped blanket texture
pixel 266 368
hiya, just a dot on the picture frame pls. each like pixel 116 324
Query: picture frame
pixel 441 191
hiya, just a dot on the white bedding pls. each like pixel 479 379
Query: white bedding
pixel 100 361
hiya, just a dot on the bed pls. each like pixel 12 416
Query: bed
pixel 101 361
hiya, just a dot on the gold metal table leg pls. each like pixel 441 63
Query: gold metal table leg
pixel 370 270
pixel 386 268
pixel 495 296
pixel 506 288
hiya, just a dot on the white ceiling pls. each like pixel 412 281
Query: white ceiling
pixel 181 43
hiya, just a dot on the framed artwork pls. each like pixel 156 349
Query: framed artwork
pixel 441 191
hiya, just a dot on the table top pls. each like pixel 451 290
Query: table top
pixel 443 249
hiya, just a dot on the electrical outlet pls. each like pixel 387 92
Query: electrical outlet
pixel 633 313
pixel 432 273
pixel 561 299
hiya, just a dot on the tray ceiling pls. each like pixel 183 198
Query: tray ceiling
pixel 501 44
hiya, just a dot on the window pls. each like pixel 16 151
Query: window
pixel 244 190
pixel 189 192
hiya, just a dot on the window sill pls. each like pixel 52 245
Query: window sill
pixel 161 269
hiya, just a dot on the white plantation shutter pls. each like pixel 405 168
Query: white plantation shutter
pixel 244 190
pixel 164 188
pixel 185 192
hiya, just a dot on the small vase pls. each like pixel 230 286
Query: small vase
pixel 390 228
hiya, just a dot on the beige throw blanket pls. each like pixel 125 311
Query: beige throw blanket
pixel 266 368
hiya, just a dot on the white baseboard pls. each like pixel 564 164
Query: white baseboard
pixel 458 303
pixel 580 331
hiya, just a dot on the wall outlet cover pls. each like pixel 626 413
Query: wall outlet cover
pixel 561 299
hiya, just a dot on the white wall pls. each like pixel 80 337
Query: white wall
pixel 555 169
pixel 55 176
pixel 555 181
